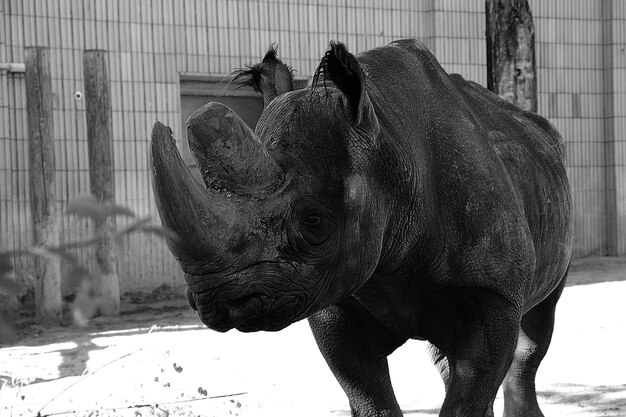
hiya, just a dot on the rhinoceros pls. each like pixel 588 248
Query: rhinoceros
pixel 387 201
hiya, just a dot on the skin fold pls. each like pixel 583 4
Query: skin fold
pixel 388 201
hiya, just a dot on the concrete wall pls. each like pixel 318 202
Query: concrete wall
pixel 152 43
pixel 580 56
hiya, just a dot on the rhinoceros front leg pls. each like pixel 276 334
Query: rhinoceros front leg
pixel 441 363
pixel 355 346
pixel 475 357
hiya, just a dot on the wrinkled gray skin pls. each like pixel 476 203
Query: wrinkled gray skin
pixel 390 201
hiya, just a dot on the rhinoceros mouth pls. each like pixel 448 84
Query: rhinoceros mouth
pixel 249 313
pixel 222 314
pixel 258 298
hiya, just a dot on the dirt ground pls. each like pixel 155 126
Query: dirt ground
pixel 158 360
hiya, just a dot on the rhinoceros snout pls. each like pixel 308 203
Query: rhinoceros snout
pixel 223 303
pixel 224 314
pixel 264 296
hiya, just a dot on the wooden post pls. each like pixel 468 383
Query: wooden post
pixel 42 190
pixel 511 52
pixel 102 183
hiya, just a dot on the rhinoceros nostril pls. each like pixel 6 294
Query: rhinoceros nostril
pixel 245 307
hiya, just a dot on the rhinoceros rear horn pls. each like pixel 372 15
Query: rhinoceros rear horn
pixel 228 153
pixel 343 69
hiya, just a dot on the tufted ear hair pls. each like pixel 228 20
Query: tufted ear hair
pixel 270 77
pixel 343 69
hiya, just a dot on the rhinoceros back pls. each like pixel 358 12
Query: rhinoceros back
pixel 533 154
pixel 476 142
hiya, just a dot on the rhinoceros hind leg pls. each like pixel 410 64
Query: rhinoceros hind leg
pixel 520 398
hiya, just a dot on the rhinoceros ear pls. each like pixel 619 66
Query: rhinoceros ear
pixel 270 77
pixel 343 69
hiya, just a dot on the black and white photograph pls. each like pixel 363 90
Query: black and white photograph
pixel 312 208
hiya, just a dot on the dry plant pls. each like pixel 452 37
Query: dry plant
pixel 80 279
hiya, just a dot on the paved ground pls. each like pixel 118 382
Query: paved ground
pixel 120 367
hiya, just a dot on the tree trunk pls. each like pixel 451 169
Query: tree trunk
pixel 42 191
pixel 511 69
pixel 100 149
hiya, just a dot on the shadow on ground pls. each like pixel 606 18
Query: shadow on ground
pixel 134 319
pixel 406 412
pixel 74 360
pixel 596 269
pixel 596 400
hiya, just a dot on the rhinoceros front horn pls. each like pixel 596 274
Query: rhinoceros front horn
pixel 228 153
pixel 204 219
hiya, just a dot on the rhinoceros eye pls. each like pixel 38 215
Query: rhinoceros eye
pixel 312 219
pixel 315 223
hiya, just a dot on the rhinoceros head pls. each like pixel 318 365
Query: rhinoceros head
pixel 287 221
